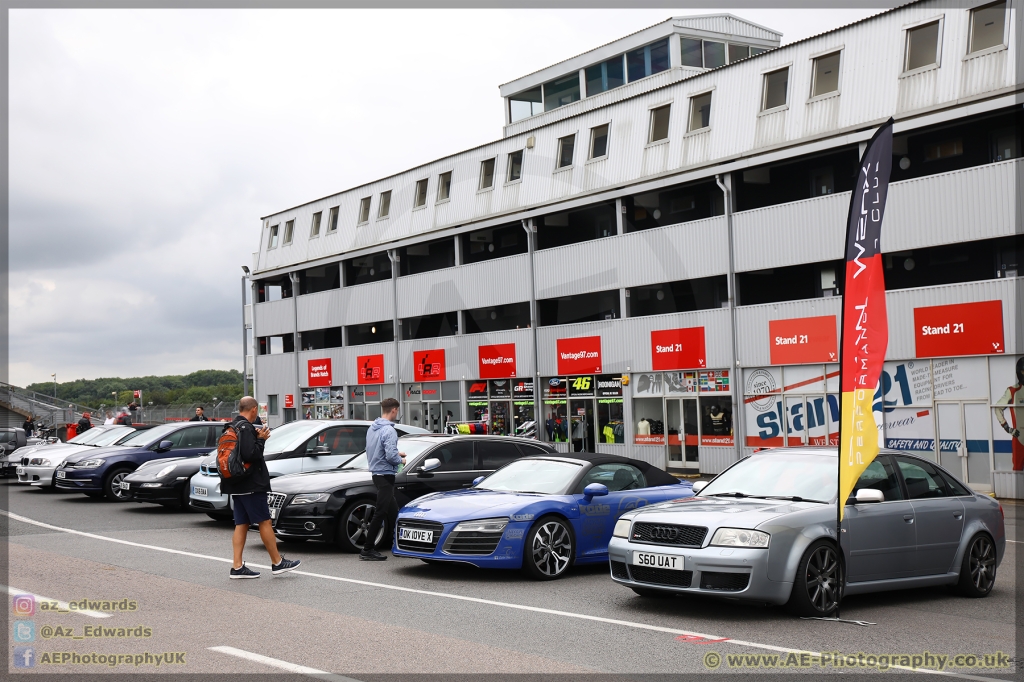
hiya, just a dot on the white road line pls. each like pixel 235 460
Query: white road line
pixel 488 602
pixel 278 663
pixel 62 606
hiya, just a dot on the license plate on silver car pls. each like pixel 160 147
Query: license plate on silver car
pixel 201 492
pixel 60 474
pixel 21 471
pixel 415 535
pixel 669 561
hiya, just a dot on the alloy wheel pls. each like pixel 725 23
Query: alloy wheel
pixel 552 548
pixel 823 579
pixel 358 523
pixel 983 564
pixel 115 485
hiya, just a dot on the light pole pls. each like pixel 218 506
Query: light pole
pixel 54 375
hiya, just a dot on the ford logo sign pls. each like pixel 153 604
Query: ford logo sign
pixel 664 533
pixel 554 382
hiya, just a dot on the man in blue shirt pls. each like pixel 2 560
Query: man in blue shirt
pixel 383 460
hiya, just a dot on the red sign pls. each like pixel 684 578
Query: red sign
pixel 138 394
pixel 678 348
pixel 581 355
pixel 498 361
pixel 319 372
pixel 428 365
pixel 960 329
pixel 370 369
pixel 803 339
pixel 289 400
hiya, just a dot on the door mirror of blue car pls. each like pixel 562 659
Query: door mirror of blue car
pixel 594 490
pixel 430 464
pixel 164 446
pixel 478 479
pixel 698 486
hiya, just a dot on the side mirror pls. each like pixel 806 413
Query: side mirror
pixel 477 480
pixel 321 450
pixel 698 486
pixel 869 495
pixel 594 490
pixel 164 446
pixel 430 464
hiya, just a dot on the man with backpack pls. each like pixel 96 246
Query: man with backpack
pixel 383 460
pixel 245 478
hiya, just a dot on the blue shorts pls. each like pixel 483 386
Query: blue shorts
pixel 250 508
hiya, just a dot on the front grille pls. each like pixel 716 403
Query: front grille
pixel 209 470
pixel 724 582
pixel 619 570
pixel 201 504
pixel 669 534
pixel 425 547
pixel 471 543
pixel 24 461
pixel 276 501
pixel 661 576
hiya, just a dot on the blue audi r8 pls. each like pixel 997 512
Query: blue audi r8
pixel 541 514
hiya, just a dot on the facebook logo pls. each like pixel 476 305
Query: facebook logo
pixel 24 657
pixel 24 631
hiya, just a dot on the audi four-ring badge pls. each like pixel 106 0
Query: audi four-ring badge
pixel 764 530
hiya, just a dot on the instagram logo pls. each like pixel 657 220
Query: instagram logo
pixel 24 605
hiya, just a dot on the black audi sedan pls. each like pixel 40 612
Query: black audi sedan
pixel 336 505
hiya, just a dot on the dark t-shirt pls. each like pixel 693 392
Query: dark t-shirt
pixel 250 449
pixel 84 425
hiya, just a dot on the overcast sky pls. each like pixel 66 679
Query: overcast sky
pixel 145 145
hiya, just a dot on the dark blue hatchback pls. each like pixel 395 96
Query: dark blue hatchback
pixel 99 473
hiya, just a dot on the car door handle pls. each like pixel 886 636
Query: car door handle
pixel 958 515
pixel 909 518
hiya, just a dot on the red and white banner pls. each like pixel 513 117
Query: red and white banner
pixel 370 369
pixel 428 365
pixel 289 400
pixel 959 329
pixel 802 340
pixel 581 355
pixel 497 361
pixel 678 348
pixel 319 372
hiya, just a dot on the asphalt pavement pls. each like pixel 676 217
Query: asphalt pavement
pixel 359 620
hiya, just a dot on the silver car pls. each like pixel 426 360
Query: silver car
pixel 38 465
pixel 305 445
pixel 764 530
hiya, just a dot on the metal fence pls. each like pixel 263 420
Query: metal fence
pixel 158 414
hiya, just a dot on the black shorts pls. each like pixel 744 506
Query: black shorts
pixel 250 508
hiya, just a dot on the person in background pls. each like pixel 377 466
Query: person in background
pixel 29 426
pixel 383 460
pixel 110 418
pixel 84 424
pixel 200 416
pixel 132 409
pixel 1013 399
pixel 124 418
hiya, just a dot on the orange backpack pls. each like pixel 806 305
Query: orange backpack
pixel 229 462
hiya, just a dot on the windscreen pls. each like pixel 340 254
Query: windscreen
pixel 411 448
pixel 111 436
pixel 90 436
pixel 291 435
pixel 810 477
pixel 543 476
pixel 153 435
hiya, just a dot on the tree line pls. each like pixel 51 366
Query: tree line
pixel 202 386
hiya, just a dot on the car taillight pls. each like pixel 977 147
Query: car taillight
pixel 1001 515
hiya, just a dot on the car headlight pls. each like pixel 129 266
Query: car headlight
pixel 310 498
pixel 39 462
pixel 739 537
pixel 90 463
pixel 621 529
pixel 163 472
pixel 482 526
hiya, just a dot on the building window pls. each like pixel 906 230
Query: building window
pixel 371 332
pixel 426 256
pixel 700 112
pixel 289 230
pixel 372 267
pixel 738 52
pixel 572 227
pixel 757 50
pixel 314 228
pixel 321 278
pixel 593 307
pixel 272 244
pixel 272 405
pixel 430 326
pixel 647 60
pixel 498 318
pixel 364 210
pixel 943 149
pixel 515 166
pixel 319 339
pixel 826 75
pixel 494 242
pixel 486 174
pixel 560 92
pixel 703 293
pixel 922 46
pixel 659 123
pixel 691 53
pixel 987 26
pixel 275 345
pixel 525 104
pixel 599 141
pixel 385 205
pixel 605 76
pixel 714 54
pixel 274 289
pixel 565 147
pixel 421 194
pixel 332 220
pixel 776 85
pixel 444 186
